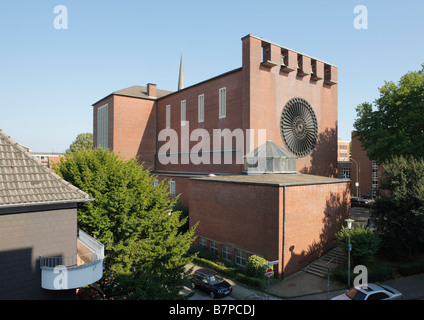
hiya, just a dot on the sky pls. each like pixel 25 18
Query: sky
pixel 50 76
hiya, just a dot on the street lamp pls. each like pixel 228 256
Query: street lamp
pixel 349 226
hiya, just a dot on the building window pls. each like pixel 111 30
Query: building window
pixel 183 113
pixel 374 178
pixel 213 246
pixel 172 187
pixel 222 103
pixel 345 174
pixel 156 183
pixel 201 108
pixel 240 258
pixel 168 116
pixel 102 126
pixel 202 242
pixel 226 252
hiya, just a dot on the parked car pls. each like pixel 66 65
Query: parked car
pixel 361 202
pixel 370 292
pixel 211 282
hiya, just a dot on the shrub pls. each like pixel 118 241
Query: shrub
pixel 254 267
pixel 365 244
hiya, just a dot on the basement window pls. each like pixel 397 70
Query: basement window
pixel 240 258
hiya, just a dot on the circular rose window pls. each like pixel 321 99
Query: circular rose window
pixel 298 127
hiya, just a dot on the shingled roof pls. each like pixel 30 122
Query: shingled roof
pixel 140 92
pixel 24 181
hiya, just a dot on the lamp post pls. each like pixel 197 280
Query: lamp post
pixel 349 226
pixel 357 176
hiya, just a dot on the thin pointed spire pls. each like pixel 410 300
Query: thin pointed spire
pixel 181 77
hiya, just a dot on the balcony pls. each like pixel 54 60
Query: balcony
pixel 63 273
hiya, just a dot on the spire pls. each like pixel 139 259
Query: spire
pixel 181 78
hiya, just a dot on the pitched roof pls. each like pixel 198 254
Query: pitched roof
pixel 141 92
pixel 25 181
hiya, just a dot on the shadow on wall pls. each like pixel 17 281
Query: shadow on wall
pixel 324 157
pixel 336 210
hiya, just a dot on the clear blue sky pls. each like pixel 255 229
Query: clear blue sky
pixel 49 78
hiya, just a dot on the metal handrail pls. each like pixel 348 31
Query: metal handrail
pixel 79 259
pixel 73 261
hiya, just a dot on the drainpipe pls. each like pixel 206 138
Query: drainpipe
pixel 284 229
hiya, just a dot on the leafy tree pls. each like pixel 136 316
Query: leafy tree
pixel 365 244
pixel 82 142
pixel 394 124
pixel 398 212
pixel 132 218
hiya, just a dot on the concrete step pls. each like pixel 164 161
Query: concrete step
pixel 331 259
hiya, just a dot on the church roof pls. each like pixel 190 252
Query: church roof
pixel 24 181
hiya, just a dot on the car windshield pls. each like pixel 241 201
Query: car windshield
pixel 355 294
pixel 214 279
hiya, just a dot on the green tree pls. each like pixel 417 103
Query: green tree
pixel 365 244
pixel 132 218
pixel 83 141
pixel 394 124
pixel 398 212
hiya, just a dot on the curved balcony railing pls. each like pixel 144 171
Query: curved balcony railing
pixel 62 273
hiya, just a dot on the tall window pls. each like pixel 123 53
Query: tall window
pixel 374 178
pixel 168 116
pixel 201 108
pixel 226 252
pixel 213 246
pixel 102 126
pixel 240 257
pixel 222 103
pixel 172 187
pixel 183 113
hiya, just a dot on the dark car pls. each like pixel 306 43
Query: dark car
pixel 361 202
pixel 210 281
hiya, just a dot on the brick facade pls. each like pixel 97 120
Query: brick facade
pixel 246 217
pixel 282 221
pixel 24 237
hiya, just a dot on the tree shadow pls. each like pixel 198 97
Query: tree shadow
pixel 337 209
pixel 324 157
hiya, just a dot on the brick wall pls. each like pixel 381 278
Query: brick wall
pixel 270 89
pixel 313 214
pixel 243 216
pixel 254 218
pixel 210 90
pixel 24 237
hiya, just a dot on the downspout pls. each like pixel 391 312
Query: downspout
pixel 284 230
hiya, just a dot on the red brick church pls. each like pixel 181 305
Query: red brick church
pixel 252 152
